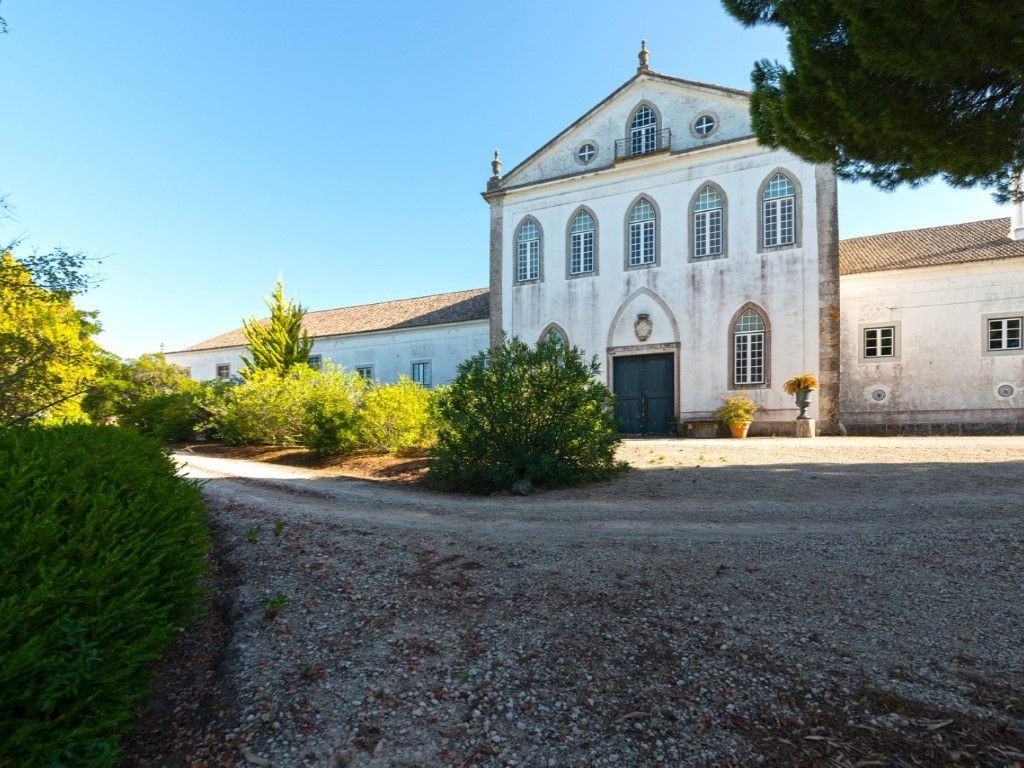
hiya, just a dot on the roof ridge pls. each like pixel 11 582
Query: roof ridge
pixel 923 229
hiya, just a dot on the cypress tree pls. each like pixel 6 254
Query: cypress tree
pixel 278 343
pixel 896 92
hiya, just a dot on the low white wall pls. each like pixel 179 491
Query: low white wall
pixel 943 371
pixel 391 353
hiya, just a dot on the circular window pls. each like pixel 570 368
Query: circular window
pixel 586 153
pixel 879 395
pixel 1005 390
pixel 704 125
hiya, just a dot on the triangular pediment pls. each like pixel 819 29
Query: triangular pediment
pixel 677 104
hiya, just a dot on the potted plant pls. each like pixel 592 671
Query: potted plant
pixel 801 387
pixel 737 413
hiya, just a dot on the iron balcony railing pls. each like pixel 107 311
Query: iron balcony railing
pixel 643 143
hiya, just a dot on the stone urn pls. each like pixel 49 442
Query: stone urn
pixel 803 399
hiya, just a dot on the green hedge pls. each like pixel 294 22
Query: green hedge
pixel 101 558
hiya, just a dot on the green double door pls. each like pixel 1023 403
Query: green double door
pixel 644 387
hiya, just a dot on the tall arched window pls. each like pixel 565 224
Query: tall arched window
pixel 554 332
pixel 749 349
pixel 643 131
pixel 778 212
pixel 643 224
pixel 582 239
pixel 528 250
pixel 708 216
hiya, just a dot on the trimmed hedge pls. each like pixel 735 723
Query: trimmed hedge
pixel 101 559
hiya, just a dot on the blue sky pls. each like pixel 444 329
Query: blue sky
pixel 202 149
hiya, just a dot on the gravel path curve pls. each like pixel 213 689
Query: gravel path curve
pixel 779 602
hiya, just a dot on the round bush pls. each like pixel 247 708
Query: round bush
pixel 101 556
pixel 521 413
pixel 397 417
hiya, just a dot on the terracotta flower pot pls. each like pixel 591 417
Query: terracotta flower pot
pixel 739 430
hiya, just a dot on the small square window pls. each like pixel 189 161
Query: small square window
pixel 880 342
pixel 1004 334
pixel 366 371
pixel 315 362
pixel 224 370
pixel 421 373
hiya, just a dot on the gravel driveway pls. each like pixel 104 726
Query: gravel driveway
pixel 838 601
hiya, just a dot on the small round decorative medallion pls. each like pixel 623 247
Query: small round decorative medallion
pixel 643 327
pixel 1006 390
pixel 879 395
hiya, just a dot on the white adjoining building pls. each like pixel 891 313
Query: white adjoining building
pixel 657 234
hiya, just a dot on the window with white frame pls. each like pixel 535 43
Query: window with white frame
pixel 187 371
pixel 421 373
pixel 586 153
pixel 581 244
pixel 707 223
pixel 778 212
pixel 223 370
pixel 315 362
pixel 748 349
pixel 366 371
pixel 556 334
pixel 642 233
pixel 880 341
pixel 643 131
pixel 704 126
pixel 528 251
pixel 1004 333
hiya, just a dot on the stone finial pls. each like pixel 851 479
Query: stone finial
pixel 496 164
pixel 644 56
pixel 1017 209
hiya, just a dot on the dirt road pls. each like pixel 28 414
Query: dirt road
pixel 775 602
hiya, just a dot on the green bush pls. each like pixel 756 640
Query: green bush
pixel 102 549
pixel 521 413
pixel 331 419
pixel 169 417
pixel 398 417
pixel 267 409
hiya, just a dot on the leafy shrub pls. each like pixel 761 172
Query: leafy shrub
pixel 331 420
pixel 738 409
pixel 267 409
pixel 101 548
pixel 398 417
pixel 168 417
pixel 518 413
pixel 802 381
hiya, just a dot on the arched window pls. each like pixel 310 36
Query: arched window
pixel 643 223
pixel 555 332
pixel 749 349
pixel 582 240
pixel 528 250
pixel 778 212
pixel 708 216
pixel 643 131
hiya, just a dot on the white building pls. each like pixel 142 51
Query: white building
pixel 656 233
pixel 931 330
pixel 424 338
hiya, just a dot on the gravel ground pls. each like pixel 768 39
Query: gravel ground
pixel 841 601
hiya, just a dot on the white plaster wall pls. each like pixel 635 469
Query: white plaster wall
pixel 943 372
pixel 678 107
pixel 391 353
pixel 702 295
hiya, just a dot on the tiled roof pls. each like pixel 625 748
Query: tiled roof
pixel 951 244
pixel 438 309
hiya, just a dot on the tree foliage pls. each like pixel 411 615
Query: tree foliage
pixel 896 93
pixel 47 355
pixel 279 342
pixel 522 413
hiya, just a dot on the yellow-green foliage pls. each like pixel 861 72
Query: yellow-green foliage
pixel 101 546
pixel 267 409
pixel 331 419
pixel 398 417
pixel 738 409
pixel 47 355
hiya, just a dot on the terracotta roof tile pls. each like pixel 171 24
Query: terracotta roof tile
pixel 457 307
pixel 952 244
